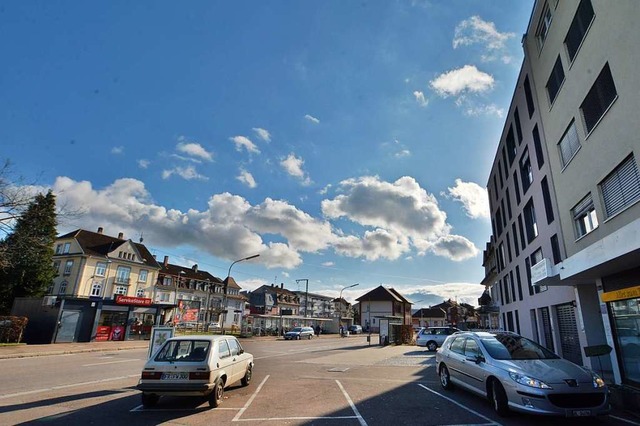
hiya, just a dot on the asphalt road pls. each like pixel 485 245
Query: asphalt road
pixel 327 381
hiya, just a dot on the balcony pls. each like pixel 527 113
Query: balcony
pixel 122 281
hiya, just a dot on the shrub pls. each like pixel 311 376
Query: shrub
pixel 12 328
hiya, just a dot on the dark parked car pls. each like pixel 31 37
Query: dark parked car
pixel 516 373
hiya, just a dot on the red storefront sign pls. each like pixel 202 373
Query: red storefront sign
pixel 129 300
pixel 103 332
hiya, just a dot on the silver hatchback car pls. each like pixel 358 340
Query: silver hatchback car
pixel 518 374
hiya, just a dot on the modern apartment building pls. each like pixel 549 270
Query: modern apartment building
pixel 584 57
pixel 570 192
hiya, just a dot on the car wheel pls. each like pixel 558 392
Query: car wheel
pixel 149 400
pixel 298 337
pixel 432 346
pixel 310 336
pixel 247 377
pixel 215 398
pixel 499 399
pixel 445 378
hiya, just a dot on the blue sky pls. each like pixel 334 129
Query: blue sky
pixel 345 142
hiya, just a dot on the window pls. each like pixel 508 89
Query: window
pixel 509 247
pixel 142 277
pixel 67 267
pixel 140 292
pixel 535 258
pixel 517 187
pixel 621 188
pixel 555 80
pixel 516 118
pixel 584 217
pixel 96 289
pixel 500 174
pixel 526 174
pixel 538 146
pixel 515 239
pixel 167 281
pixel 511 145
pixel 121 290
pixel 508 198
pixel 501 258
pixel 579 26
pixel 523 240
pixel 599 99
pixel 546 196
pixel 531 108
pixel 569 144
pixel 499 222
pixel 555 247
pixel 59 249
pixel 519 283
pixel 543 25
pixel 101 269
pixel 122 275
pixel 63 288
pixel 67 247
pixel 530 221
pixel 56 267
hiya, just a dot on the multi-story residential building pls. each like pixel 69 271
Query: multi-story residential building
pixel 188 294
pixel 317 305
pixel 383 305
pixel 584 57
pixel 274 308
pixel 234 305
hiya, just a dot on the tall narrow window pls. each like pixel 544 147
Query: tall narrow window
pixel 523 239
pixel 543 25
pixel 67 267
pixel 511 145
pixel 555 80
pixel 546 197
pixel 621 188
pixel 122 275
pixel 63 287
pixel 555 247
pixel 516 118
pixel 515 239
pixel 67 248
pixel 569 144
pixel 508 198
pixel 531 107
pixel 600 97
pixel 526 174
pixel 519 283
pixel 96 289
pixel 517 187
pixel 538 146
pixel 101 269
pixel 579 26
pixel 584 216
pixel 530 221
pixel 508 247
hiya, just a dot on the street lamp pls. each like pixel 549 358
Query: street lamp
pixel 340 301
pixel 226 284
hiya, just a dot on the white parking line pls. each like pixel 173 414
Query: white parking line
pixel 243 409
pixel 353 406
pixel 491 422
pixel 624 420
pixel 72 385
pixel 111 362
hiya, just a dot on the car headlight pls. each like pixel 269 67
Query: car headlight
pixel 529 381
pixel 597 380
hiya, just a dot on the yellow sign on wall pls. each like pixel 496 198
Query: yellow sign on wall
pixel 626 293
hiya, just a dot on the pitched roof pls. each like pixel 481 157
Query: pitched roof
pixel 95 244
pixel 383 293
pixel 430 313
pixel 190 273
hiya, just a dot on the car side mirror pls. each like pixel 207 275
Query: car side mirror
pixel 241 351
pixel 476 359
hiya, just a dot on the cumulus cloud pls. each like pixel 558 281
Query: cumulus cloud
pixel 432 294
pixel 328 264
pixel 420 99
pixel 467 79
pixel 473 197
pixel 143 164
pixel 312 119
pixel 262 134
pixel 187 173
pixel 293 166
pixel 477 31
pixel 193 149
pixel 244 142
pixel 247 178
pixel 402 154
pixel 117 150
pixel 475 109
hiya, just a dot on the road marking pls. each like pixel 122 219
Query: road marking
pixel 353 406
pixel 72 385
pixel 624 420
pixel 272 419
pixel 140 408
pixel 491 421
pixel 243 409
pixel 111 362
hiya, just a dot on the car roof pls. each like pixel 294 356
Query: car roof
pixel 202 337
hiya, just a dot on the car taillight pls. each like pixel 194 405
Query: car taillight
pixel 151 375
pixel 199 375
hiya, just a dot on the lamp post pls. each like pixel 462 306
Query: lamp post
pixel 226 284
pixel 340 301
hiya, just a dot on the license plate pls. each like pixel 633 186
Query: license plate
pixel 581 413
pixel 174 376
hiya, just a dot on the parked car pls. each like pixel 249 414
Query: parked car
pixel 355 329
pixel 298 333
pixel 195 366
pixel 213 326
pixel 433 337
pixel 518 374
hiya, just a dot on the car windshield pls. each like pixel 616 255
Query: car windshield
pixel 183 350
pixel 297 330
pixel 510 346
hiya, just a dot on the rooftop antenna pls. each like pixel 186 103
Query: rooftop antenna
pixel 141 239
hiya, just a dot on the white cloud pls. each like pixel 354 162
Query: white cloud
pixel 432 294
pixel 293 166
pixel 312 119
pixel 144 164
pixel 194 150
pixel 244 142
pixel 325 190
pixel 455 247
pixel 467 79
pixel 473 109
pixel 328 264
pixel 473 198
pixel 187 173
pixel 262 134
pixel 402 154
pixel 476 31
pixel 116 150
pixel 247 178
pixel 285 274
pixel 420 99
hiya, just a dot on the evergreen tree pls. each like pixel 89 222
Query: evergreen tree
pixel 29 251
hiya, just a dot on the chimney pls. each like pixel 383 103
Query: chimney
pixel 195 268
pixel 166 261
pixel 100 229
pixel 282 285
pixel 120 235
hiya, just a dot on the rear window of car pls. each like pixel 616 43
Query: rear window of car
pixel 509 346
pixel 183 351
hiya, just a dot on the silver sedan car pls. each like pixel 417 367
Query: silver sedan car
pixel 516 373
